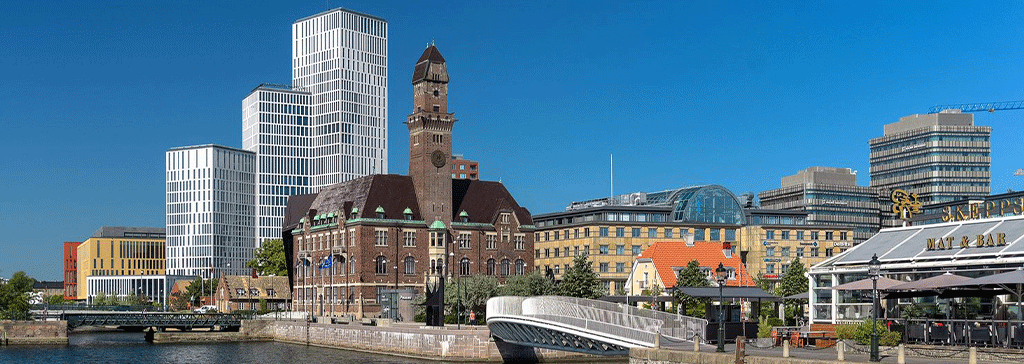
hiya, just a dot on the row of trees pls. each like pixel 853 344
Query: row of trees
pixel 15 296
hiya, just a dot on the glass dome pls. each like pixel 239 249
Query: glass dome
pixel 708 204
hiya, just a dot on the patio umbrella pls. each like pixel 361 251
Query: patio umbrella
pixel 1012 281
pixel 865 284
pixel 938 282
pixel 799 296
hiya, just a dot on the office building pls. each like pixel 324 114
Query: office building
pixel 613 231
pixel 120 251
pixel 934 158
pixel 71 269
pixel 341 58
pixel 210 210
pixel 773 239
pixel 356 239
pixel 463 168
pixel 276 128
pixel 831 197
pixel 153 288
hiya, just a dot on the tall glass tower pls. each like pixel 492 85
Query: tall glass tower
pixel 341 58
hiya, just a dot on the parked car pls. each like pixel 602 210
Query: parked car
pixel 206 309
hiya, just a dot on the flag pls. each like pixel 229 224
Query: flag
pixel 327 263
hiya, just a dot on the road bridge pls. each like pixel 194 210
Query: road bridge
pixel 586 326
pixel 160 320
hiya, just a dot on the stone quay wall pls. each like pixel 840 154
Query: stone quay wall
pixel 442 344
pixel 33 332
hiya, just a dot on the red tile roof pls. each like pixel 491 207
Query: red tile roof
pixel 667 255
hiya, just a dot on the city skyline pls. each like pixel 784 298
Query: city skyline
pixel 96 94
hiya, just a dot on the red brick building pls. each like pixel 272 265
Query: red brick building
pixel 464 168
pixel 355 239
pixel 71 270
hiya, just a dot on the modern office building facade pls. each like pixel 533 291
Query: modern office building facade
pixel 613 231
pixel 463 168
pixel 831 197
pixel 774 239
pixel 120 251
pixel 211 213
pixel 933 157
pixel 276 128
pixel 341 58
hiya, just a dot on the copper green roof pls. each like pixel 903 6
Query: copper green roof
pixel 437 225
pixel 330 214
pixel 463 214
pixel 380 210
pixel 355 210
pixel 407 211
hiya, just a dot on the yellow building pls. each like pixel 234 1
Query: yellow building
pixel 121 251
pixel 774 238
pixel 614 231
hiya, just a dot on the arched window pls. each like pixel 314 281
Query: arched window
pixel 505 265
pixel 490 267
pixel 382 265
pixel 520 267
pixel 433 267
pixel 464 267
pixel 410 265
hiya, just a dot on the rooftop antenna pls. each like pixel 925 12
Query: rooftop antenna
pixel 611 179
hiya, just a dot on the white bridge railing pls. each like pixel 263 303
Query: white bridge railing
pixel 611 319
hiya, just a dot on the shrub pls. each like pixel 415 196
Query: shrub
pixel 764 328
pixel 861 333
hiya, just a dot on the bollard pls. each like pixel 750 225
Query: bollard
pixel 785 348
pixel 657 341
pixel 841 351
pixel 901 355
pixel 741 349
pixel 696 343
pixel 973 356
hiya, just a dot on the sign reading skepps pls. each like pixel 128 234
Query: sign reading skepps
pixel 1014 206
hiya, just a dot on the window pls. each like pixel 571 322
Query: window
pixel 410 265
pixel 785 251
pixel 437 238
pixel 382 265
pixel 620 232
pixel 620 249
pixel 800 252
pixel 784 268
pixel 240 292
pixel 814 251
pixel 566 250
pixel 814 235
pixel 505 218
pixel 520 267
pixel 558 235
pixel 620 267
pixel 602 250
pixel 604 232
pixel 557 270
pixel 556 252
pixel 730 234
pixel 636 250
pixel 603 267
pixel 490 267
pixel 828 252
pixel 842 235
pixel 575 233
pixel 769 251
pixel 715 234
pixel 536 253
pixel 464 239
pixel 492 242
pixel 770 268
pixel 409 238
pixel 547 252
pixel 636 232
pixel 828 235
pixel 576 251
pixel 381 237
pixel 520 242
pixel 668 233
pixel 698 234
pixel 800 235
pixel 464 267
pixel 769 234
pixel 505 267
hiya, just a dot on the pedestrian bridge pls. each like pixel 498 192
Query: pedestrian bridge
pixel 160 320
pixel 586 326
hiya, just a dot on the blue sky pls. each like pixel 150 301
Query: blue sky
pixel 682 93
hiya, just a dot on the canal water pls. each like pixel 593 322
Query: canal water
pixel 118 347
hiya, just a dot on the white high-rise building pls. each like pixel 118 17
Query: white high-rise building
pixel 210 210
pixel 275 126
pixel 341 58
pixel 330 125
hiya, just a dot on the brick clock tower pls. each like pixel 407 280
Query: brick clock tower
pixel 430 138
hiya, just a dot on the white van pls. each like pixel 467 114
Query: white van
pixel 206 309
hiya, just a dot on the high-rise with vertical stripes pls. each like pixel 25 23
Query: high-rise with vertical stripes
pixel 330 124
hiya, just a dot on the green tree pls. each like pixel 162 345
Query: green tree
pixel 179 301
pixel 528 285
pixel 55 300
pixel 269 259
pixel 793 282
pixel 472 291
pixel 691 276
pixel 14 297
pixel 580 280
pixel 199 288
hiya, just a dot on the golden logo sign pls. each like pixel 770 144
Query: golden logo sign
pixel 904 204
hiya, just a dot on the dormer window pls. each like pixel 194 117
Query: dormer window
pixel 271 293
pixel 464 216
pixel 240 292
pixel 355 213
pixel 407 213
pixel 254 292
pixel 380 212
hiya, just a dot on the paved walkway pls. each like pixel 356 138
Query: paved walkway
pixel 854 356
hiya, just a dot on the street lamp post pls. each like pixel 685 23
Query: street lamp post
pixel 720 275
pixel 873 267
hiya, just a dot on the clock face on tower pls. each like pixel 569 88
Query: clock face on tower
pixel 437 158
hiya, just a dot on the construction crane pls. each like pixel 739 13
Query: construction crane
pixel 979 106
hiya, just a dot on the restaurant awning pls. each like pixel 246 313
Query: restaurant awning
pixel 939 282
pixel 865 284
pixel 749 293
